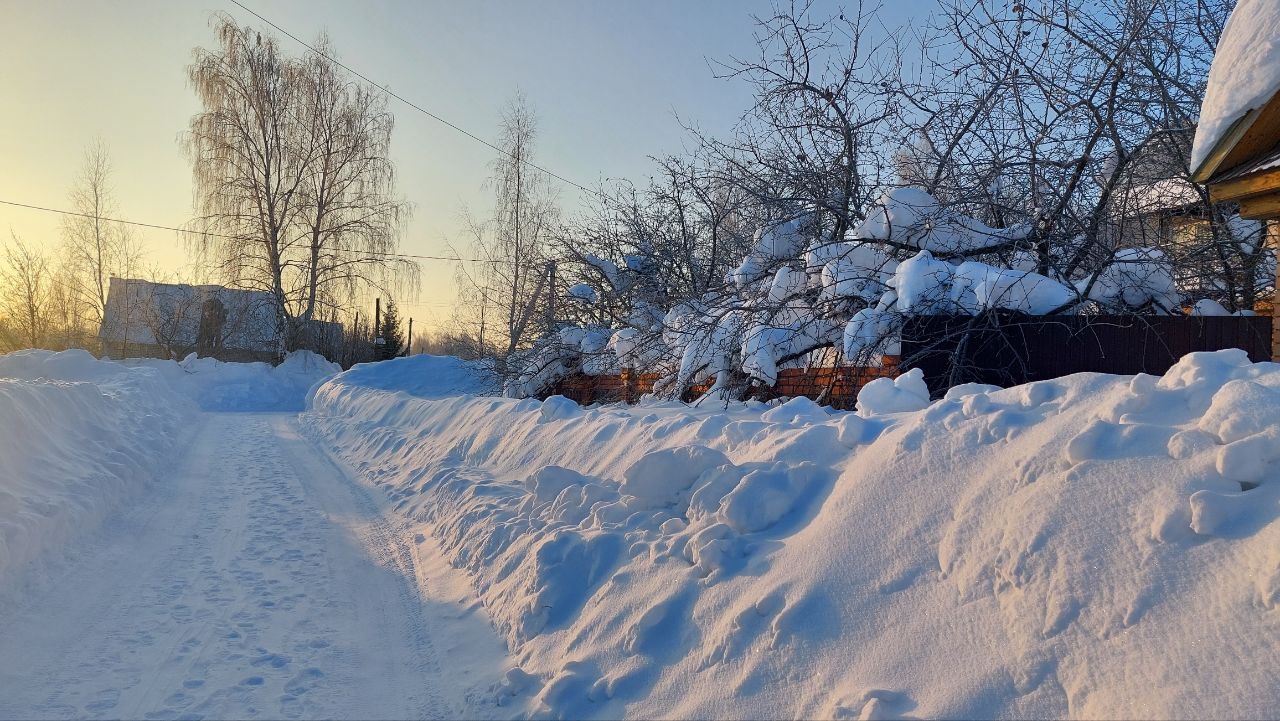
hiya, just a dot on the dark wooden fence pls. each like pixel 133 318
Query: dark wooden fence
pixel 1008 348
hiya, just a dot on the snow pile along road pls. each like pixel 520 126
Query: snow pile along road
pixel 425 376
pixel 257 387
pixel 1081 547
pixel 80 436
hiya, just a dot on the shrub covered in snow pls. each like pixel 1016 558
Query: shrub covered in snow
pixel 797 291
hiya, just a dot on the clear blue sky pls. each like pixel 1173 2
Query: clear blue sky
pixel 606 78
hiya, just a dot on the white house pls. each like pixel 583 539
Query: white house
pixel 171 320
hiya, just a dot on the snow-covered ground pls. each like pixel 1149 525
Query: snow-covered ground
pixel 1092 546
pixel 83 436
pixel 80 438
pixel 1079 547
pixel 163 562
pixel 425 376
pixel 240 387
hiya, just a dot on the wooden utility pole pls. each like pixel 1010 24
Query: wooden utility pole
pixel 378 340
pixel 348 349
pixel 484 301
pixel 551 296
pixel 408 348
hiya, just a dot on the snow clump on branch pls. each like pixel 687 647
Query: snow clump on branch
pixel 798 290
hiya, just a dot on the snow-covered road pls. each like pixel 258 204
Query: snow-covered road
pixel 255 580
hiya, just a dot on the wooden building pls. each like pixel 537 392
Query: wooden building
pixel 1244 168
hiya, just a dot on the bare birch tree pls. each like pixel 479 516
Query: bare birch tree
pixel 292 175
pixel 351 216
pixel 513 283
pixel 94 249
pixel 24 291
pixel 247 160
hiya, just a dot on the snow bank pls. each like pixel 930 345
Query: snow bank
pixel 906 392
pixel 218 386
pixel 425 376
pixel 1244 75
pixel 80 436
pixel 1080 547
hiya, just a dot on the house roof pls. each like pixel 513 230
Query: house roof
pixel 1267 161
pixel 1240 114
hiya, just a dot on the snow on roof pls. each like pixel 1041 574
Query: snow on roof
pixel 1245 73
pixel 1166 194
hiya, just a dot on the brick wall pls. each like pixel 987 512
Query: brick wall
pixel 1273 242
pixel 836 387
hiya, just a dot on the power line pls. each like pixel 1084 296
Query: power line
pixel 156 226
pixel 419 108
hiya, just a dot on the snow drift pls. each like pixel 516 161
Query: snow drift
pixel 218 386
pixel 80 436
pixel 83 435
pixel 426 376
pixel 1092 546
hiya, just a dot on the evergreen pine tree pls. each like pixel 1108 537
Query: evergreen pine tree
pixel 391 333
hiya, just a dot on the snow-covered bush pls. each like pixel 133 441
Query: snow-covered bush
pixel 910 217
pixel 1136 278
pixel 978 287
pixel 571 350
pixel 798 290
pixel 860 272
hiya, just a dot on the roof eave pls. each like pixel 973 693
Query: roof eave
pixel 1251 135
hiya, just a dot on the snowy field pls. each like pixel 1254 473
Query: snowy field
pixel 1084 547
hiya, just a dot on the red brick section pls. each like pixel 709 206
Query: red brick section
pixel 836 387
pixel 1273 242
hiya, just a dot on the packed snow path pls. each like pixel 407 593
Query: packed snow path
pixel 257 580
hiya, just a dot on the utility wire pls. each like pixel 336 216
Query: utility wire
pixel 453 259
pixel 383 88
pixel 419 108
